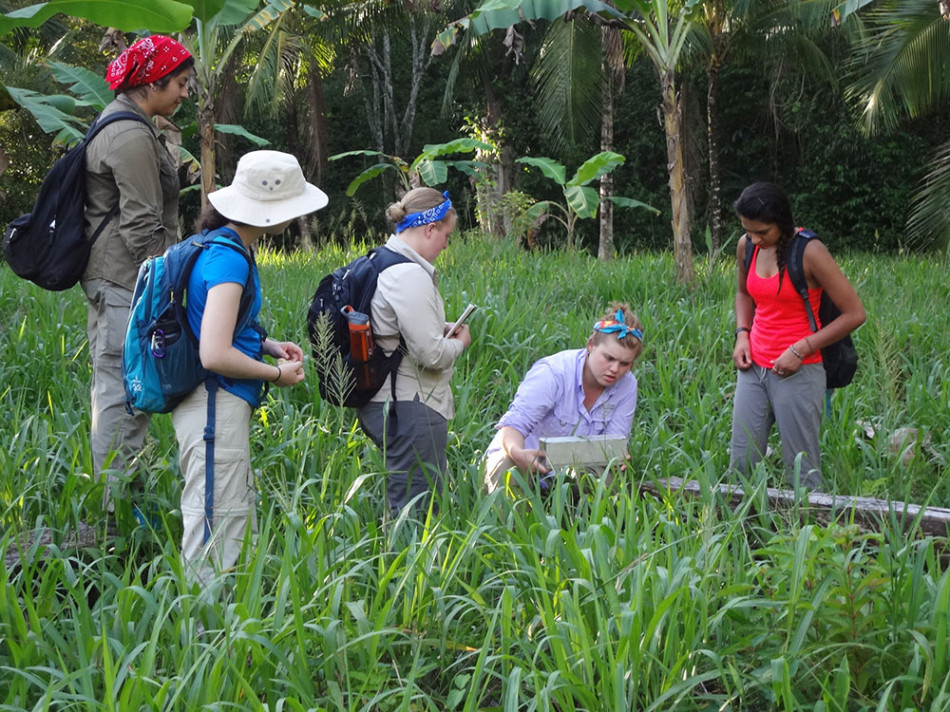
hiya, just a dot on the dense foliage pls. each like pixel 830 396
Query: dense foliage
pixel 792 126
pixel 607 601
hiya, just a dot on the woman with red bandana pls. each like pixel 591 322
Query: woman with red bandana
pixel 132 191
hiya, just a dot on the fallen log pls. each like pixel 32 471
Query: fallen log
pixel 30 545
pixel 867 512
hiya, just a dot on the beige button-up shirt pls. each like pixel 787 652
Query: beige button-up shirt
pixel 127 163
pixel 407 302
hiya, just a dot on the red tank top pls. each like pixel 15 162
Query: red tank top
pixel 780 316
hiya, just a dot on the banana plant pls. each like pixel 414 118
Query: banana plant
pixel 580 200
pixel 219 29
pixel 127 15
pixel 426 169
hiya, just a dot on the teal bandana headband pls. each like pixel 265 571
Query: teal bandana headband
pixel 426 216
pixel 618 326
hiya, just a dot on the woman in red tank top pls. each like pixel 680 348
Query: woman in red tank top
pixel 781 378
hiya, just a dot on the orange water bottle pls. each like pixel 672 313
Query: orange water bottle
pixel 361 334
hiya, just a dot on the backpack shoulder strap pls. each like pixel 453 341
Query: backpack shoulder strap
pixel 101 122
pixel 218 237
pixel 749 252
pixel 796 270
pixel 377 260
pixel 384 258
pixel 97 125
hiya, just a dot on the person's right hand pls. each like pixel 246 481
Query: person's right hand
pixel 742 354
pixel 530 460
pixel 291 373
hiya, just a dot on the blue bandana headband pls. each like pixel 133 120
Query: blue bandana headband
pixel 619 327
pixel 426 216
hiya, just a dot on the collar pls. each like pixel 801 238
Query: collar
pixel 399 245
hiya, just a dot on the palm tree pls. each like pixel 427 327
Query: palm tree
pixel 494 67
pixel 217 34
pixel 902 67
pixel 661 28
pixel 778 34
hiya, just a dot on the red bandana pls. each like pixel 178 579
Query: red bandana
pixel 145 61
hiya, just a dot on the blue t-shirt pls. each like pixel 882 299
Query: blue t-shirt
pixel 217 265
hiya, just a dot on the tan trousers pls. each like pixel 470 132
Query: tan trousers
pixel 233 507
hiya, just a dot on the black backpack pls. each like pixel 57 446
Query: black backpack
pixel 840 358
pixel 48 246
pixel 343 380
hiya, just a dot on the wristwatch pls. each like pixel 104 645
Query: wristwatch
pixel 743 328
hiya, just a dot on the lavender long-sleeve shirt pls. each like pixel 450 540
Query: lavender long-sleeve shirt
pixel 550 403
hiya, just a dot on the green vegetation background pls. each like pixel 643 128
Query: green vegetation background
pixel 792 128
pixel 618 601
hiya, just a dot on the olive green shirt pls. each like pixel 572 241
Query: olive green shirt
pixel 127 164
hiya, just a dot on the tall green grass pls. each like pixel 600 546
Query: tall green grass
pixel 606 601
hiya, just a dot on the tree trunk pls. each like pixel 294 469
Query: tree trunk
pixel 306 239
pixel 421 59
pixel 206 132
pixel 712 136
pixel 605 248
pixel 492 183
pixel 317 132
pixel 228 109
pixel 611 52
pixel 373 100
pixel 673 126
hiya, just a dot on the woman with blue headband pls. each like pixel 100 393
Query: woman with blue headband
pixel 588 391
pixel 407 313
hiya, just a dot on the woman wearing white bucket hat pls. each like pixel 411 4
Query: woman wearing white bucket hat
pixel 268 191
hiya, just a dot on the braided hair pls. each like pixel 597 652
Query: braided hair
pixel 768 203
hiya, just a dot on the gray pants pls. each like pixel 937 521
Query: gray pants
pixel 413 439
pixel 116 437
pixel 794 404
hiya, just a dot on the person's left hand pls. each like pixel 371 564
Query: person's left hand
pixel 464 335
pixel 286 350
pixel 786 364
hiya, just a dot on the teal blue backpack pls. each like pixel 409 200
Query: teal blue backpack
pixel 160 361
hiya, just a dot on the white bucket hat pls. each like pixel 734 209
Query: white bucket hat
pixel 268 189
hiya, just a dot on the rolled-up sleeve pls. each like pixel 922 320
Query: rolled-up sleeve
pixel 135 167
